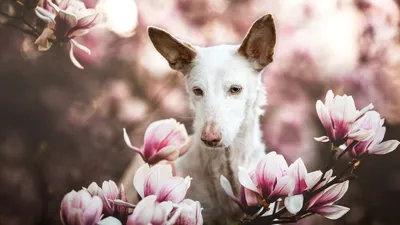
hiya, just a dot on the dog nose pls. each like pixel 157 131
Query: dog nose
pixel 211 138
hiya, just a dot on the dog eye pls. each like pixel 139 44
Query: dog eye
pixel 235 89
pixel 197 91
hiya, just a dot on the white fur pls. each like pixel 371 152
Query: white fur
pixel 215 70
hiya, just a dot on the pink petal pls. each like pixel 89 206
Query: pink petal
pixel 140 177
pixel 294 203
pixel 322 139
pixel 155 134
pixel 298 172
pixel 93 211
pixel 325 118
pixel 54 6
pixel 63 4
pixel 159 175
pixel 284 187
pixel 174 190
pixel 267 171
pixel 252 198
pixel 143 213
pixel 331 195
pixel 332 212
pixel 185 147
pixel 384 147
pixel 161 212
pixel 245 180
pixel 169 153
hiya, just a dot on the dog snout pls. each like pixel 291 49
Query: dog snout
pixel 211 135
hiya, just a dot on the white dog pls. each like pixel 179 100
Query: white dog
pixel 226 95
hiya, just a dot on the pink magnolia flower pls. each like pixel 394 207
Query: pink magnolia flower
pixel 190 214
pixel 374 145
pixel 163 140
pixel 149 211
pixel 108 193
pixel 79 208
pixel 158 181
pixel 302 181
pixel 323 203
pixel 269 182
pixel 71 19
pixel 338 115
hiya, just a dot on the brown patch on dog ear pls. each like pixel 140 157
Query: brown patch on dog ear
pixel 178 53
pixel 258 45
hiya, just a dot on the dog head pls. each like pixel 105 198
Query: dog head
pixel 223 81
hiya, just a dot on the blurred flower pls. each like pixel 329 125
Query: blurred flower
pixel 338 115
pixel 158 180
pixel 149 211
pixel 269 182
pixel 79 208
pixel 374 145
pixel 71 20
pixel 163 140
pixel 322 203
pixel 190 214
pixel 121 16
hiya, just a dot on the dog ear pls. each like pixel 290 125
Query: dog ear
pixel 258 45
pixel 179 54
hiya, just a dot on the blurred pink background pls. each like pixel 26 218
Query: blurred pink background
pixel 61 127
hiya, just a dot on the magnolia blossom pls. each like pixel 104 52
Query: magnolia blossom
pixel 190 213
pixel 108 193
pixel 71 19
pixel 158 181
pixel 149 211
pixel 374 145
pixel 163 140
pixel 79 208
pixel 302 181
pixel 323 202
pixel 269 182
pixel 338 115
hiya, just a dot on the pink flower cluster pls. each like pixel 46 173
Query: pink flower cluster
pixel 345 125
pixel 303 193
pixel 162 194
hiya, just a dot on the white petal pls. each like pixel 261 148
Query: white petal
pixel 109 221
pixel 226 185
pixel 81 47
pixel 384 147
pixel 245 180
pixel 294 203
pixel 313 178
pixel 322 139
pixel 73 59
pixel 139 179
pixel 332 212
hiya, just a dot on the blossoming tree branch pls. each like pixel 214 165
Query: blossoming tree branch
pixel 271 192
pixel 63 23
